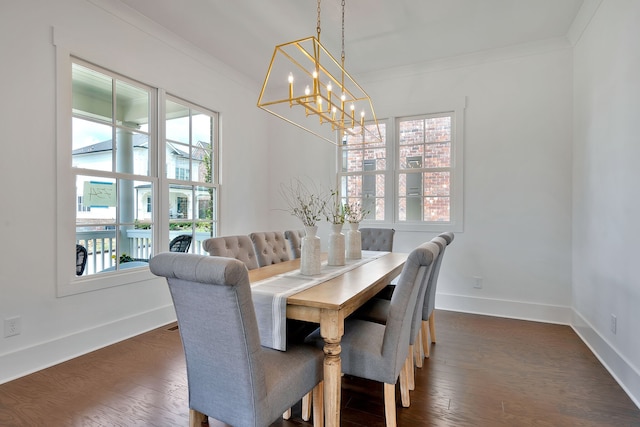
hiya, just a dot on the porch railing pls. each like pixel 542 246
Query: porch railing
pixel 101 246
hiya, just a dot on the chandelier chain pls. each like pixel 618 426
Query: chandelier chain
pixel 318 25
pixel 342 55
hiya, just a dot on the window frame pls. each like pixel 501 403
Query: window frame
pixel 67 283
pixel 393 171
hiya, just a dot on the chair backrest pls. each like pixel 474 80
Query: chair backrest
pixel 238 247
pixel 270 247
pixel 402 306
pixel 377 239
pixel 81 259
pixel 427 292
pixel 219 331
pixel 294 237
pixel 180 243
pixel 443 240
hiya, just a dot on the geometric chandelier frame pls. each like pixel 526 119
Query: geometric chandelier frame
pixel 308 88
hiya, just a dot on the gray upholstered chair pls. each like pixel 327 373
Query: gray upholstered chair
pixel 380 352
pixel 294 237
pixel 428 316
pixel 270 247
pixel 377 239
pixel 230 376
pixel 377 310
pixel 238 247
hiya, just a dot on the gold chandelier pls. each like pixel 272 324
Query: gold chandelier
pixel 307 87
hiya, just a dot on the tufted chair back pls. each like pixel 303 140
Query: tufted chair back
pixel 238 247
pixel 294 237
pixel 377 239
pixel 230 376
pixel 270 246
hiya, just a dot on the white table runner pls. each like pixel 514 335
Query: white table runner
pixel 270 297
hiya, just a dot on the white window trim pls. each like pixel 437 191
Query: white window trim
pixel 392 182
pixel 67 283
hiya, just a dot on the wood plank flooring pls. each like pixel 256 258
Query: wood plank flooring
pixel 484 371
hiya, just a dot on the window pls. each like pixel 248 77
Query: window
pixel 111 162
pixel 363 173
pixel 190 144
pixel 424 168
pixel 125 206
pixel 412 180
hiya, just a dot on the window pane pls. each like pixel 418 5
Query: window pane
pixel 437 209
pixel 132 105
pixel 132 152
pixel 178 161
pixel 204 198
pixel 438 129
pixel 436 184
pixel 352 160
pixel 96 200
pixel 411 132
pixel 411 156
pixel 100 242
pixel 92 145
pixel 201 165
pixel 87 134
pixel 438 155
pixel 202 128
pixel 92 94
pixel 177 122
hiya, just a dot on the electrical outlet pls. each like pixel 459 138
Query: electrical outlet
pixel 614 324
pixel 477 282
pixel 12 326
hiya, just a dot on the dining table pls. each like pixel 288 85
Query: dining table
pixel 328 302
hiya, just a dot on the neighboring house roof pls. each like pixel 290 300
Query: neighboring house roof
pixel 139 140
pixel 142 141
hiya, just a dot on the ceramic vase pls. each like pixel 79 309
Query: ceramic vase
pixel 310 252
pixel 336 245
pixel 354 241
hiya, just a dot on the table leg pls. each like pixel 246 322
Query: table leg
pixel 331 330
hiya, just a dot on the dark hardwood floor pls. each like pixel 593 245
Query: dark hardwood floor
pixel 484 371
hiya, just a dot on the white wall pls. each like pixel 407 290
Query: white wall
pixel 55 329
pixel 606 202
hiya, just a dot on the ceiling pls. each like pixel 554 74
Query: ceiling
pixel 379 34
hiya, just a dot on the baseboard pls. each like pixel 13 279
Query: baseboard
pixel 625 374
pixel 618 366
pixel 505 308
pixel 32 359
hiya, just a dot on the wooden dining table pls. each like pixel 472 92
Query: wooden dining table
pixel 329 303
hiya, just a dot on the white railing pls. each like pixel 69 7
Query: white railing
pixel 101 246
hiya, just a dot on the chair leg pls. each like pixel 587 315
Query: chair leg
pixel 418 351
pixel 196 418
pixel 390 404
pixel 286 414
pixel 318 405
pixel 432 326
pixel 410 370
pixel 425 338
pixel 404 384
pixel 306 406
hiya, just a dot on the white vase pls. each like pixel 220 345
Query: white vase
pixel 336 245
pixel 353 241
pixel 310 252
